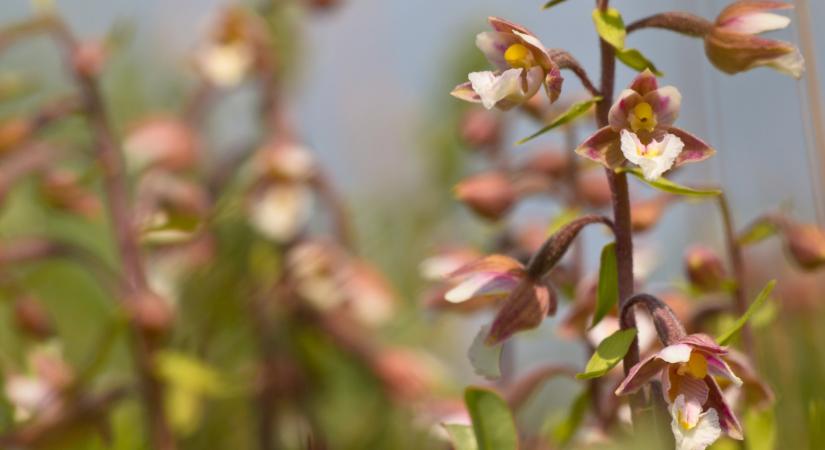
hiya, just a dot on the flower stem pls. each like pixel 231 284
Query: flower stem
pixel 740 303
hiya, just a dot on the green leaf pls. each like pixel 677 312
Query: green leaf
pixel 564 431
pixel 461 436
pixel 484 358
pixel 610 26
pixel 666 185
pixel 607 295
pixel 757 304
pixel 190 373
pixel 493 422
pixel 636 60
pixel 610 351
pixel 573 113
pixel 758 231
pixel 552 3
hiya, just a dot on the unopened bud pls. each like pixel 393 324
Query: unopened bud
pixel 524 309
pixel 704 268
pixel 805 244
pixel 166 142
pixel 480 128
pixel 594 188
pixel 151 313
pixel 89 57
pixel 62 190
pixel 13 132
pixel 490 195
pixel 552 163
pixel 645 214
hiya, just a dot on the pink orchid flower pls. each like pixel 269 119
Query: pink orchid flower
pixel 733 46
pixel 522 66
pixel 641 131
pixel 687 369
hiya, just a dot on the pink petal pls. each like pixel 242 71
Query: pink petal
pixel 640 374
pixel 738 16
pixel 602 147
pixel 493 44
pixel 482 284
pixel 718 367
pixel 727 419
pixel 665 102
pixel 492 263
pixel 644 82
pixel 553 83
pixel 695 149
pixel 617 117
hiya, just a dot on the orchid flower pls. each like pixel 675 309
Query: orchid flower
pixel 693 429
pixel 522 65
pixel 641 131
pixel 687 369
pixel 732 45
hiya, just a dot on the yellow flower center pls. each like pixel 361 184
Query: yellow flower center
pixel 683 421
pixel 697 366
pixel 519 56
pixel 642 117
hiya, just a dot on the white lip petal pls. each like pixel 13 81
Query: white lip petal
pixel 493 44
pixel 792 64
pixel 666 151
pixel 757 23
pixel 703 430
pixel 493 88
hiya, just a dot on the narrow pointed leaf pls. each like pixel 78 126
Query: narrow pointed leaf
pixel 609 353
pixel 573 113
pixel 607 294
pixel 756 305
pixel 552 3
pixel 493 422
pixel 636 60
pixel 462 436
pixel 610 26
pixel 757 232
pixel 666 185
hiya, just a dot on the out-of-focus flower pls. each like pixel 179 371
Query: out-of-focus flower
pixel 492 276
pixel 13 132
pixel 647 213
pixel 704 268
pixel 641 131
pixel 62 190
pixel 805 244
pixel 480 128
pixel 490 195
pixel 169 208
pixel 409 375
pixel 732 45
pixel 754 390
pixel 43 387
pixel 152 313
pixel 692 428
pixel 228 57
pixel 161 141
pixel 522 66
pixel 687 368
pixel 550 162
pixel 279 206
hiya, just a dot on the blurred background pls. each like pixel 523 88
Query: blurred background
pixel 367 87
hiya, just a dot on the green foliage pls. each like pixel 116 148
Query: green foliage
pixel 760 430
pixel 485 358
pixel 609 353
pixel 462 436
pixel 757 232
pixel 665 185
pixel 564 432
pixel 755 306
pixel 608 289
pixel 610 26
pixel 492 420
pixel 636 60
pixel 574 112
pixel 552 3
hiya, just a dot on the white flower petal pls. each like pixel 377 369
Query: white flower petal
pixel 281 211
pixel 631 147
pixel 677 353
pixel 655 158
pixel 493 44
pixel 792 64
pixel 493 88
pixel 693 432
pixel 757 23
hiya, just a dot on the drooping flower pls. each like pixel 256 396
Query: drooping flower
pixel 641 131
pixel 492 276
pixel 229 56
pixel 693 429
pixel 732 45
pixel 522 66
pixel 687 369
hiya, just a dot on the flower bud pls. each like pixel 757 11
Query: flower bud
pixel 480 128
pixel 89 57
pixel 323 5
pixel 704 268
pixel 805 243
pixel 151 313
pixel 406 374
pixel 732 45
pixel 552 163
pixel 645 214
pixel 490 195
pixel 594 188
pixel 62 190
pixel 32 318
pixel 526 307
